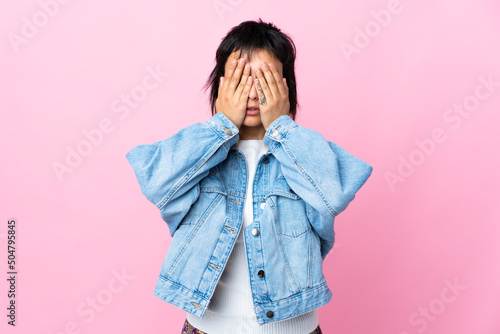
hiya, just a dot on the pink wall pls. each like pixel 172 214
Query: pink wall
pixel 417 250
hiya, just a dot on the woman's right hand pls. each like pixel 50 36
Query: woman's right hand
pixel 234 88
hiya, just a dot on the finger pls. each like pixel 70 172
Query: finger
pixel 271 84
pixel 278 79
pixel 235 79
pixel 229 73
pixel 221 82
pixel 263 85
pixel 248 86
pixel 243 81
pixel 260 92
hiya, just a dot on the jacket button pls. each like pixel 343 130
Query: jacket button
pixel 261 273
pixel 228 131
pixel 270 314
pixel 265 160
pixel 262 205
pixel 255 232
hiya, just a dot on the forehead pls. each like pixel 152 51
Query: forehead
pixel 258 56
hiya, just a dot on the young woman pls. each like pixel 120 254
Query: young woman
pixel 249 197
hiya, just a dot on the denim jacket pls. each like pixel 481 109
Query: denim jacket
pixel 197 178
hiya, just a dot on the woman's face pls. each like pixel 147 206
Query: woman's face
pixel 258 58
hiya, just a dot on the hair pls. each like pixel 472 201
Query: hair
pixel 251 36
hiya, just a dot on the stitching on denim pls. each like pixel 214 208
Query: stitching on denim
pixel 213 125
pixel 259 253
pixel 262 307
pixel 188 176
pixel 212 287
pixel 283 193
pixel 297 295
pixel 212 190
pixel 332 211
pixel 182 287
pixel 192 234
pixel 301 233
pixel 309 261
pixel 280 244
pixel 193 170
pixel 295 236
pixel 216 174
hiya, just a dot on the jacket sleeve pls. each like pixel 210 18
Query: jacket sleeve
pixel 169 171
pixel 322 173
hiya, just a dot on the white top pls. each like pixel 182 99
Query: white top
pixel 231 308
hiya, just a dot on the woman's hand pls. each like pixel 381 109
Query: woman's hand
pixel 232 98
pixel 273 94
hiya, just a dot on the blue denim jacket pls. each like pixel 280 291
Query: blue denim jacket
pixel 197 178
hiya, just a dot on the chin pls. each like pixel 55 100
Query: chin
pixel 252 125
pixel 254 121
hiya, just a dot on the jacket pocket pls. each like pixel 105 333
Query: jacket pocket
pixel 210 190
pixel 289 210
pixel 192 231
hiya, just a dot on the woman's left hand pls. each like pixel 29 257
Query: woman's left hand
pixel 273 94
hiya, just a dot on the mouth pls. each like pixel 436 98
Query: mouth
pixel 252 110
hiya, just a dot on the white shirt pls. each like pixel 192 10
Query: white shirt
pixel 231 308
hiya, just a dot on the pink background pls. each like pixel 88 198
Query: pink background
pixel 400 244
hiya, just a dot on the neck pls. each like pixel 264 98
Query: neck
pixel 252 132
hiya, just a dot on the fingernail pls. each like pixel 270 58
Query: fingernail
pixel 233 62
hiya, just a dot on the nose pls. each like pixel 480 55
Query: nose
pixel 253 95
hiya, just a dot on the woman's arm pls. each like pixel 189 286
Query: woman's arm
pixel 323 174
pixel 169 171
